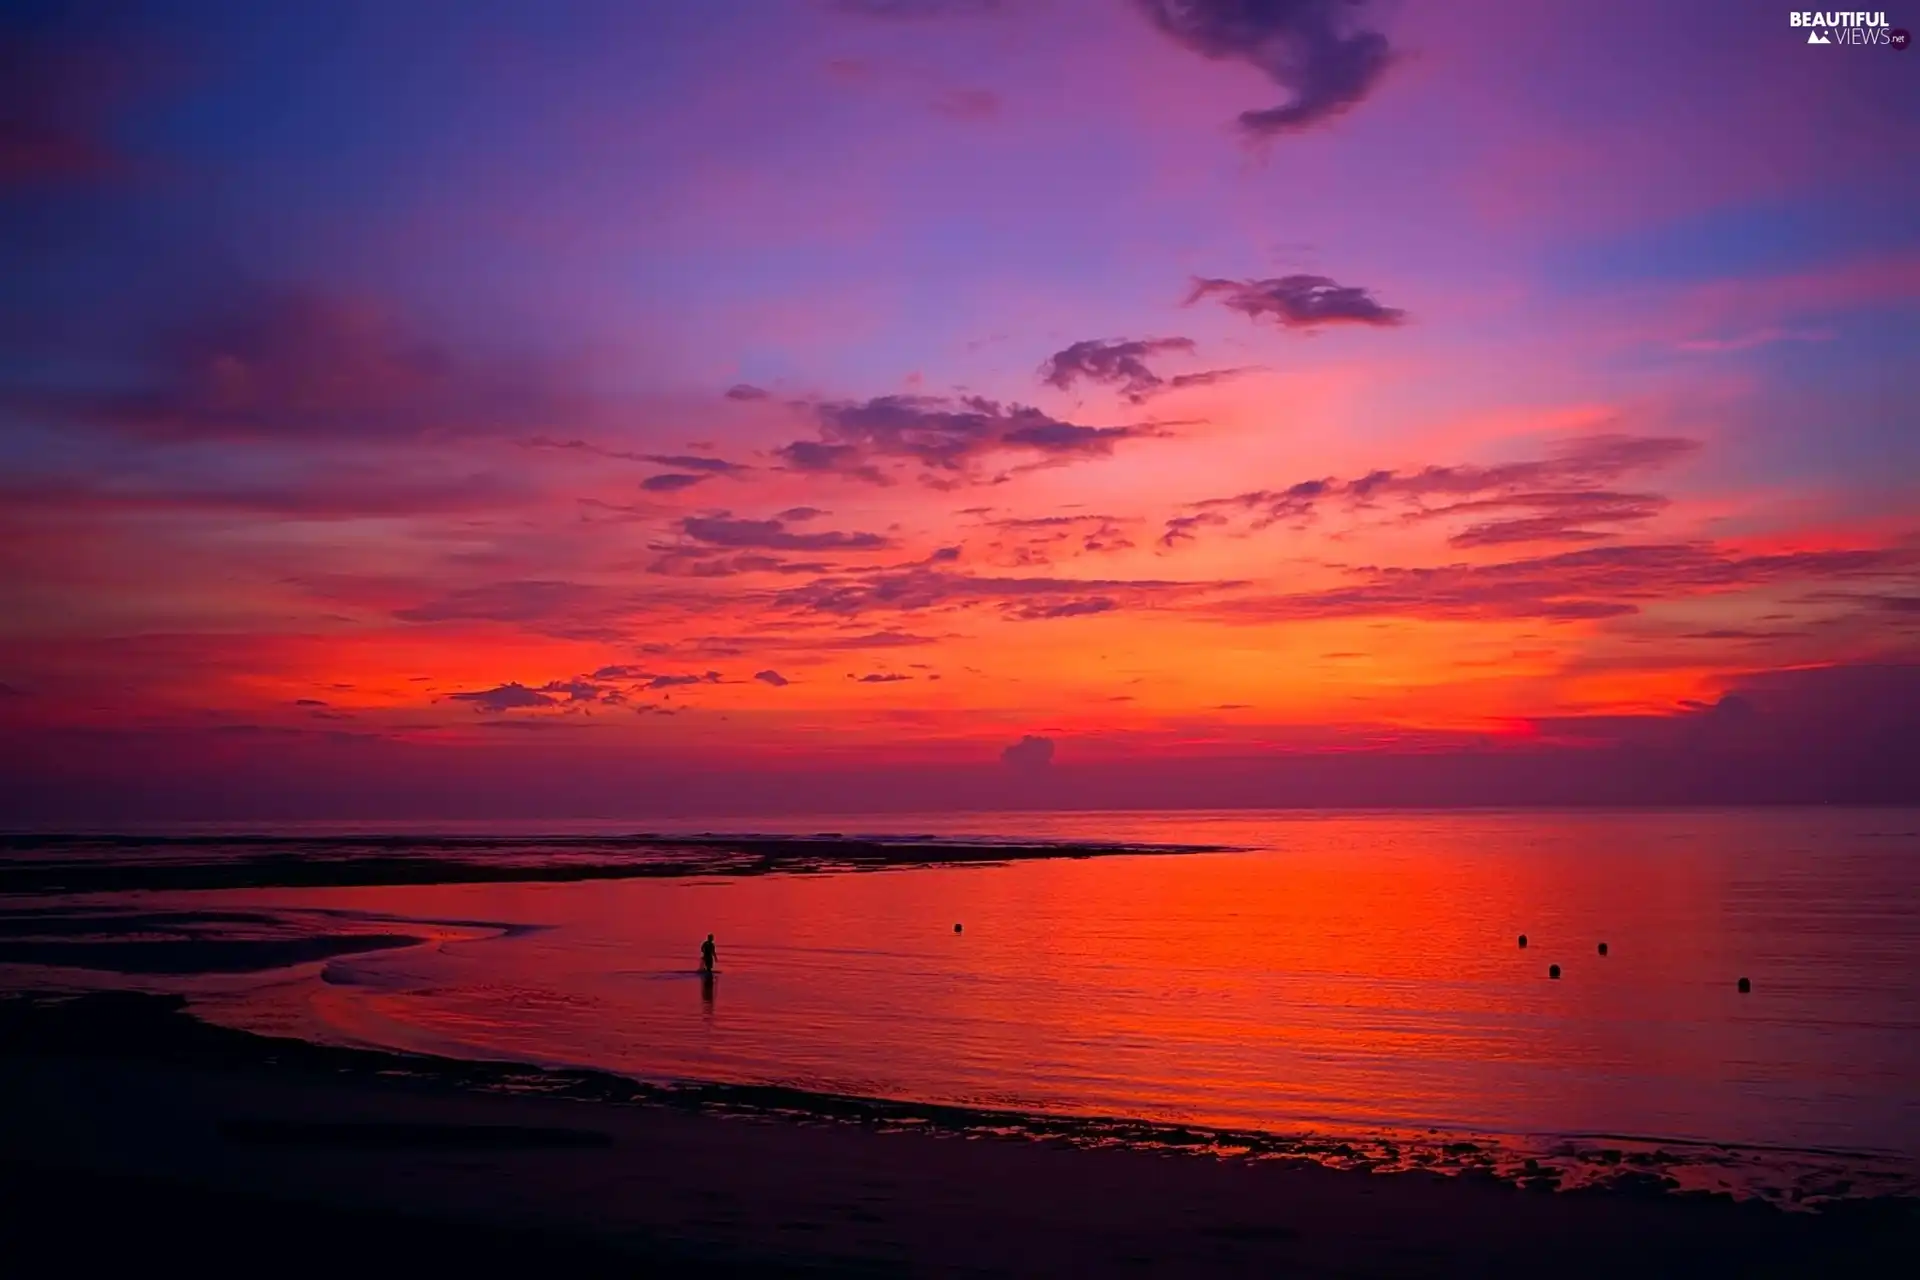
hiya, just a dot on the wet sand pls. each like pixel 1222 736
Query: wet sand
pixel 225 1151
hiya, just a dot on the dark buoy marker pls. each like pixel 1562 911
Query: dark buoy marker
pixel 1523 939
pixel 956 928
pixel 1745 986
pixel 1603 948
pixel 1553 971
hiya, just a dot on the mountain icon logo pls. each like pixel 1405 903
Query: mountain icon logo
pixel 1814 37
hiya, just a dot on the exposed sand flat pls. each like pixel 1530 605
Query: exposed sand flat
pixel 52 864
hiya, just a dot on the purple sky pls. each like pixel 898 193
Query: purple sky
pixel 588 409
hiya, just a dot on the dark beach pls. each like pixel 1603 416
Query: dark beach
pixel 216 1149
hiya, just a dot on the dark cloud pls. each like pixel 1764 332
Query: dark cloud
pixel 837 459
pixel 773 678
pixel 950 438
pixel 1181 529
pixel 695 462
pixel 1038 540
pixel 506 697
pixel 1031 753
pixel 1299 301
pixel 1117 363
pixel 1561 517
pixel 1599 582
pixel 745 391
pixel 575 690
pixel 581 446
pixel 773 535
pixel 671 482
pixel 1316 49
pixel 308 702
pixel 1204 378
pixel 920 589
pixel 678 461
pixel 675 682
pixel 1067 609
pixel 711 562
pixel 879 678
pixel 1553 499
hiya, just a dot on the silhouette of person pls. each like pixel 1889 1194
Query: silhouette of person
pixel 706 955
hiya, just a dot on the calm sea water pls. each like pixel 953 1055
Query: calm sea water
pixel 1347 974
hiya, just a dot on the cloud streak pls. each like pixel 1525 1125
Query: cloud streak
pixel 1558 498
pixel 1586 585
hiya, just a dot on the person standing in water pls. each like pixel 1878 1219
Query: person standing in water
pixel 706 955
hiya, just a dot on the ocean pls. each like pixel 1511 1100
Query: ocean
pixel 1344 987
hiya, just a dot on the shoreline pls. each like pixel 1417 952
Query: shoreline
pixel 165 1027
pixel 122 1089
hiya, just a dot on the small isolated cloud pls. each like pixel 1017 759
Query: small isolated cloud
pixel 879 677
pixel 308 702
pixel 1030 754
pixel 773 678
pixel 1299 302
pixel 506 697
pixel 745 391
pixel 1318 50
pixel 672 482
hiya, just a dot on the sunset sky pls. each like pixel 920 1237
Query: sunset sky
pixel 583 409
